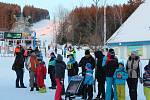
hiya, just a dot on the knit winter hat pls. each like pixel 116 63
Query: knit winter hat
pixel 59 57
pixel 52 53
pixel 112 52
pixel 87 52
pixel 121 63
pixel 99 54
pixel 32 52
pixel 134 53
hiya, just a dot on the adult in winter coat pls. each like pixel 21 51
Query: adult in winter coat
pixel 31 64
pixel 18 67
pixel 146 80
pixel 100 74
pixel 111 66
pixel 51 70
pixel 87 59
pixel 40 72
pixel 133 69
pixel 72 67
pixel 59 76
pixel 120 77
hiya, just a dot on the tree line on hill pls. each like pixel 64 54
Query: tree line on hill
pixel 36 14
pixel 9 12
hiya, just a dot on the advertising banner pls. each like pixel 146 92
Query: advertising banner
pixel 138 49
pixel 9 35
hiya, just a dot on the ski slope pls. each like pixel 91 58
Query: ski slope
pixel 45 30
pixel 9 92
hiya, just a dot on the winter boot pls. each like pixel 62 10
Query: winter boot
pixel 37 89
pixel 18 87
pixel 53 87
pixel 23 87
pixel 32 89
pixel 97 98
pixel 42 90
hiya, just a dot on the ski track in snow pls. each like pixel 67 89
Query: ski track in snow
pixel 9 92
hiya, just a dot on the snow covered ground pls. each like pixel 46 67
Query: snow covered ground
pixel 9 92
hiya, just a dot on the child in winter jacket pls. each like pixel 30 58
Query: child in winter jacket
pixel 146 81
pixel 88 82
pixel 31 64
pixel 51 70
pixel 41 75
pixel 120 77
pixel 72 67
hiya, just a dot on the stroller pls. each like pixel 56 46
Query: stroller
pixel 74 88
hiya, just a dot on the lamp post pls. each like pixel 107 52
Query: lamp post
pixel 105 34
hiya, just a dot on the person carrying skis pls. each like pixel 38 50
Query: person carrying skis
pixel 59 76
pixel 51 70
pixel 111 66
pixel 120 77
pixel 41 75
pixel 72 67
pixel 146 81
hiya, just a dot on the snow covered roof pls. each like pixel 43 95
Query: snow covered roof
pixel 136 28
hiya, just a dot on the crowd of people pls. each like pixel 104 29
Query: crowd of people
pixel 110 73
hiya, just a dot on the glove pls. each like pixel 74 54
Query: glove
pixel 119 76
pixel 44 76
pixel 141 80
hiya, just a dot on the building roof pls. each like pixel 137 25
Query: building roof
pixel 136 28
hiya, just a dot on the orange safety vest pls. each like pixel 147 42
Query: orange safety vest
pixel 17 50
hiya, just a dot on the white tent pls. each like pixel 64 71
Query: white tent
pixel 136 28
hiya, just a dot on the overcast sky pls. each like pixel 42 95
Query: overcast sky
pixel 53 5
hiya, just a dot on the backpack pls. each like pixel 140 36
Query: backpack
pixel 26 53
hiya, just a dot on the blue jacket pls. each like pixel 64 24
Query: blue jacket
pixel 89 80
pixel 89 75
pixel 124 75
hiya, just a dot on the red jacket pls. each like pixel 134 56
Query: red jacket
pixel 40 74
